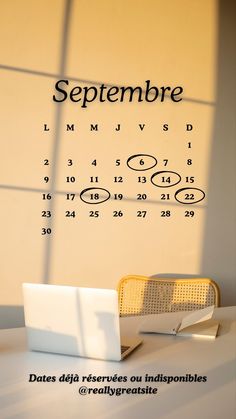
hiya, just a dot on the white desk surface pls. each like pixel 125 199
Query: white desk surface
pixel 159 354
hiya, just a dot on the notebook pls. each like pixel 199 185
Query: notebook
pixel 197 323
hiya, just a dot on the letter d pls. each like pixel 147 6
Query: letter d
pixel 189 127
pixel 32 377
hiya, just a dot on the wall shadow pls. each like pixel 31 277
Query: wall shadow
pixel 219 240
pixel 11 316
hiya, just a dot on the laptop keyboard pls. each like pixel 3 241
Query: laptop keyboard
pixel 124 348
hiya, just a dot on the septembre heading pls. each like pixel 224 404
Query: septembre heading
pixel 107 93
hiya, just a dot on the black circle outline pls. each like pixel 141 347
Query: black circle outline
pixel 189 203
pixel 165 171
pixel 94 203
pixel 138 155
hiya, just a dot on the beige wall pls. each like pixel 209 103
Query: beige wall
pixel 187 43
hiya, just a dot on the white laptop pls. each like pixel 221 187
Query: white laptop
pixel 75 321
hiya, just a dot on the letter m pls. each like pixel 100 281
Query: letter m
pixel 70 127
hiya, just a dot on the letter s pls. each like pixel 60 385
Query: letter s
pixel 61 91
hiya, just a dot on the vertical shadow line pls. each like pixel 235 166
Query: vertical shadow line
pixel 56 143
pixel 219 240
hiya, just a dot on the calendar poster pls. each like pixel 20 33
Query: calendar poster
pixel 117 143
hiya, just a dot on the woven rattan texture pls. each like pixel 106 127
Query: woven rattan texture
pixel 142 297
